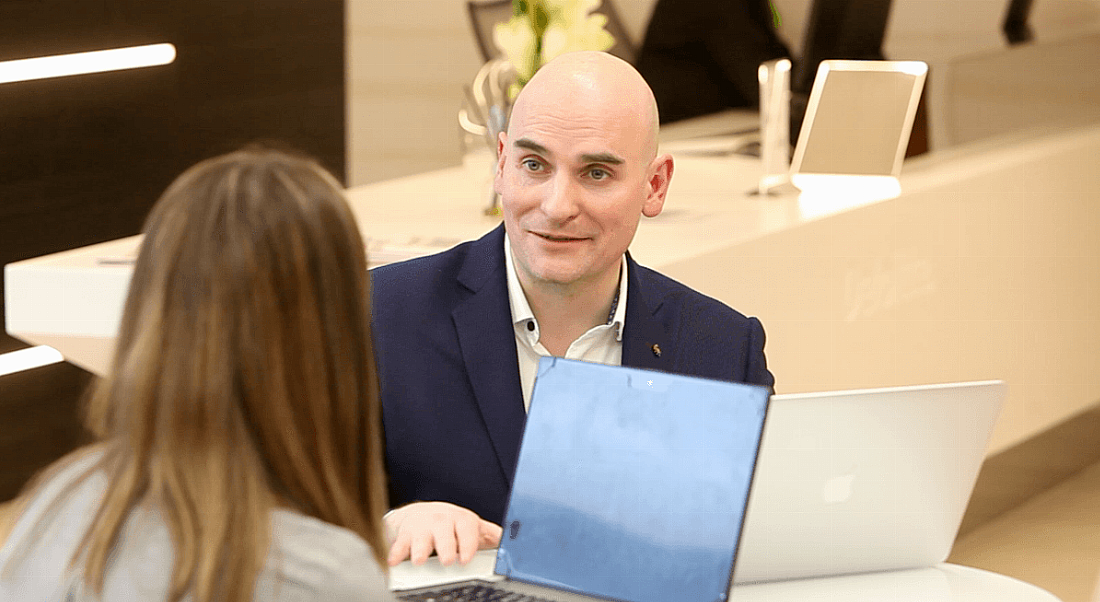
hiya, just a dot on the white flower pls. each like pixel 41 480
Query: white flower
pixel 587 34
pixel 516 39
pixel 569 26
pixel 572 11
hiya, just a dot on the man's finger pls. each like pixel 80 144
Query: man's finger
pixel 399 551
pixel 443 532
pixel 422 546
pixel 468 534
pixel 490 534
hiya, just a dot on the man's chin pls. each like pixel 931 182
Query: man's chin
pixel 557 279
pixel 558 275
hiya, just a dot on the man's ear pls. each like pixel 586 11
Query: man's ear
pixel 502 139
pixel 658 178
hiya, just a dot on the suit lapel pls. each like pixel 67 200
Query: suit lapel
pixel 488 342
pixel 646 343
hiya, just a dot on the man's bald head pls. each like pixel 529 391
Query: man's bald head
pixel 595 81
pixel 577 169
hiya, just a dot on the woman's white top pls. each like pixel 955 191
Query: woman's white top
pixel 308 559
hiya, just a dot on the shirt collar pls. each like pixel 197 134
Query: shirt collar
pixel 521 310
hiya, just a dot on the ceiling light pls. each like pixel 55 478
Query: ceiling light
pixel 97 61
pixel 25 359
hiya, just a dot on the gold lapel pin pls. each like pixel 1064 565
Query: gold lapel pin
pixel 656 350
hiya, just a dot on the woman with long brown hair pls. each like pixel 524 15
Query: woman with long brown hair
pixel 239 453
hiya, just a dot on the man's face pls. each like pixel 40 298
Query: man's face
pixel 574 181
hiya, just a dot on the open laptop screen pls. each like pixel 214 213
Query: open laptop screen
pixel 631 484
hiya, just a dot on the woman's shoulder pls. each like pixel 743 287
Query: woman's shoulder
pixel 52 517
pixel 308 559
pixel 63 492
pixel 323 561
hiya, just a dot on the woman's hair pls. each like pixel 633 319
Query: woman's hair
pixel 244 376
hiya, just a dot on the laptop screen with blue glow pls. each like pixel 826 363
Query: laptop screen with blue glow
pixel 631 484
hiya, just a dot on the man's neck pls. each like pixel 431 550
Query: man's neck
pixel 565 312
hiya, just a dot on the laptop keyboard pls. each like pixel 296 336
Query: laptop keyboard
pixel 470 593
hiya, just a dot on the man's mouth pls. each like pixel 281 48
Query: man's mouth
pixel 557 237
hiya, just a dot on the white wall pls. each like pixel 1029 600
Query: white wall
pixel 407 61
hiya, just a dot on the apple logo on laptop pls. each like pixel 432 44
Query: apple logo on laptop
pixel 838 489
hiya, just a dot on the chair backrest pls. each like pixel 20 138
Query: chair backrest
pixel 485 14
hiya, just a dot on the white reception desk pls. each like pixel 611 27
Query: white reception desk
pixel 986 267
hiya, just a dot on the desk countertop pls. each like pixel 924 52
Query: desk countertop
pixel 942 583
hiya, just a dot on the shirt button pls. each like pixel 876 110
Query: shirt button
pixel 531 325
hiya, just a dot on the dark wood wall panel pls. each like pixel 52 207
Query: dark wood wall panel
pixel 38 423
pixel 82 159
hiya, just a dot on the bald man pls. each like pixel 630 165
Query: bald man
pixel 458 335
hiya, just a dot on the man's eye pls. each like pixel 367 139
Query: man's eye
pixel 531 165
pixel 598 174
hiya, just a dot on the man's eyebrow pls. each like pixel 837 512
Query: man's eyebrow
pixel 531 145
pixel 607 158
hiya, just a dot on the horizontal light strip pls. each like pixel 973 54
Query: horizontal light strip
pixel 25 359
pixel 96 61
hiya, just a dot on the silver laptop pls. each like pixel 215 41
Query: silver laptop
pixel 861 481
pixel 857 126
pixel 631 485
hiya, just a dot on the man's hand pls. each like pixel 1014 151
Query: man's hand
pixel 418 528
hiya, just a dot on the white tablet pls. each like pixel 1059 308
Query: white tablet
pixel 857 126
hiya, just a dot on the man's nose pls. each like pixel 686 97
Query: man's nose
pixel 560 203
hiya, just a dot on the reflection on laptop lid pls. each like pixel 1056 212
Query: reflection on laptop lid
pixel 861 481
pixel 857 126
pixel 631 485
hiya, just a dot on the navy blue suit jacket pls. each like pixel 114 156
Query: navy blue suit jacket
pixel 452 403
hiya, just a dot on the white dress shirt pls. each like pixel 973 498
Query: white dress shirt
pixel 602 344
